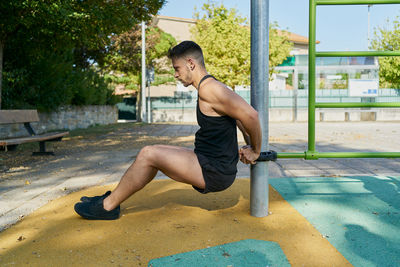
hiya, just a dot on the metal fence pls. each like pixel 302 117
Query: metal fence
pixel 281 98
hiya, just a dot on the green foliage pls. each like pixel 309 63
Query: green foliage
pixel 321 84
pixel 301 81
pixel 129 81
pixel 163 79
pixel 91 89
pixel 122 79
pixel 82 25
pixel 51 81
pixel 50 48
pixel 289 80
pixel 279 46
pixel 342 83
pixel 389 67
pixel 36 85
pixel 125 56
pixel 126 49
pixel 225 39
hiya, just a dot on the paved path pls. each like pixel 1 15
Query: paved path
pixel 336 137
pixel 29 187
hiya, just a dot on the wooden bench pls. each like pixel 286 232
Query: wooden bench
pixel 26 117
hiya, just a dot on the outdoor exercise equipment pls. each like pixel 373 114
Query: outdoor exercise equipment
pixel 259 13
pixel 268 156
pixel 259 95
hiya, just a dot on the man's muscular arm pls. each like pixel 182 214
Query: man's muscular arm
pixel 246 136
pixel 227 102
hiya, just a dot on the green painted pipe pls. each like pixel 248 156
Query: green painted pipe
pixel 311 75
pixel 311 153
pixel 356 2
pixel 288 155
pixel 358 105
pixel 358 154
pixel 317 155
pixel 357 53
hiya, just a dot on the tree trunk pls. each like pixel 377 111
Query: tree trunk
pixel 1 68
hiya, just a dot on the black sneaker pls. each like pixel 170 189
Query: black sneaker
pixel 94 210
pixel 88 199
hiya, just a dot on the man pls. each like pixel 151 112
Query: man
pixel 211 167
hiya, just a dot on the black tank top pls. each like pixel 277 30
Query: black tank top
pixel 217 140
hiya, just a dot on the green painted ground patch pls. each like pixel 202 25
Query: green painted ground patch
pixel 359 215
pixel 247 253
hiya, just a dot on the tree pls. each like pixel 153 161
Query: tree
pixel 125 52
pixel 279 47
pixel 57 26
pixel 225 39
pixel 389 67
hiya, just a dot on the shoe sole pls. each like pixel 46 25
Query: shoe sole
pixel 91 217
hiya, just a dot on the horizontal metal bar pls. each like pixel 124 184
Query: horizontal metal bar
pixel 316 155
pixel 288 155
pixel 357 54
pixel 358 105
pixel 357 154
pixel 356 2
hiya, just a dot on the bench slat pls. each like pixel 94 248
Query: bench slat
pixel 35 138
pixel 18 116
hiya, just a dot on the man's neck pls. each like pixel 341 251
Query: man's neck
pixel 198 77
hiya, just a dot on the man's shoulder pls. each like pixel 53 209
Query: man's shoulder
pixel 213 88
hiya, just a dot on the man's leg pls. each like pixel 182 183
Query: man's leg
pixel 178 163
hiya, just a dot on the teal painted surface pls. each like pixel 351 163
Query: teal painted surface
pixel 360 216
pixel 247 253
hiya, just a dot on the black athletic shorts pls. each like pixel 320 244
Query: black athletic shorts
pixel 215 180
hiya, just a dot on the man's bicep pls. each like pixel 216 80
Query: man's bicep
pixel 229 103
pixel 237 107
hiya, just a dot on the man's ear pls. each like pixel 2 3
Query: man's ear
pixel 191 63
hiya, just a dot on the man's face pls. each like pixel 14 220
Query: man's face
pixel 182 71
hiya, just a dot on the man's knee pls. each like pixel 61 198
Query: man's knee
pixel 148 153
pixel 145 152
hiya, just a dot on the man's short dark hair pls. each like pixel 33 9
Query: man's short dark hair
pixel 185 49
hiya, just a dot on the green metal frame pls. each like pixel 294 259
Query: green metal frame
pixel 311 153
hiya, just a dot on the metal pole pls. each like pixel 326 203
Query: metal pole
pixel 369 17
pixel 148 104
pixel 143 116
pixel 259 100
pixel 295 93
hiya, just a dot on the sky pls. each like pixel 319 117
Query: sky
pixel 339 28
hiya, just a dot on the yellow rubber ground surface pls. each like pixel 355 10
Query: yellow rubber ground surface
pixel 164 218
